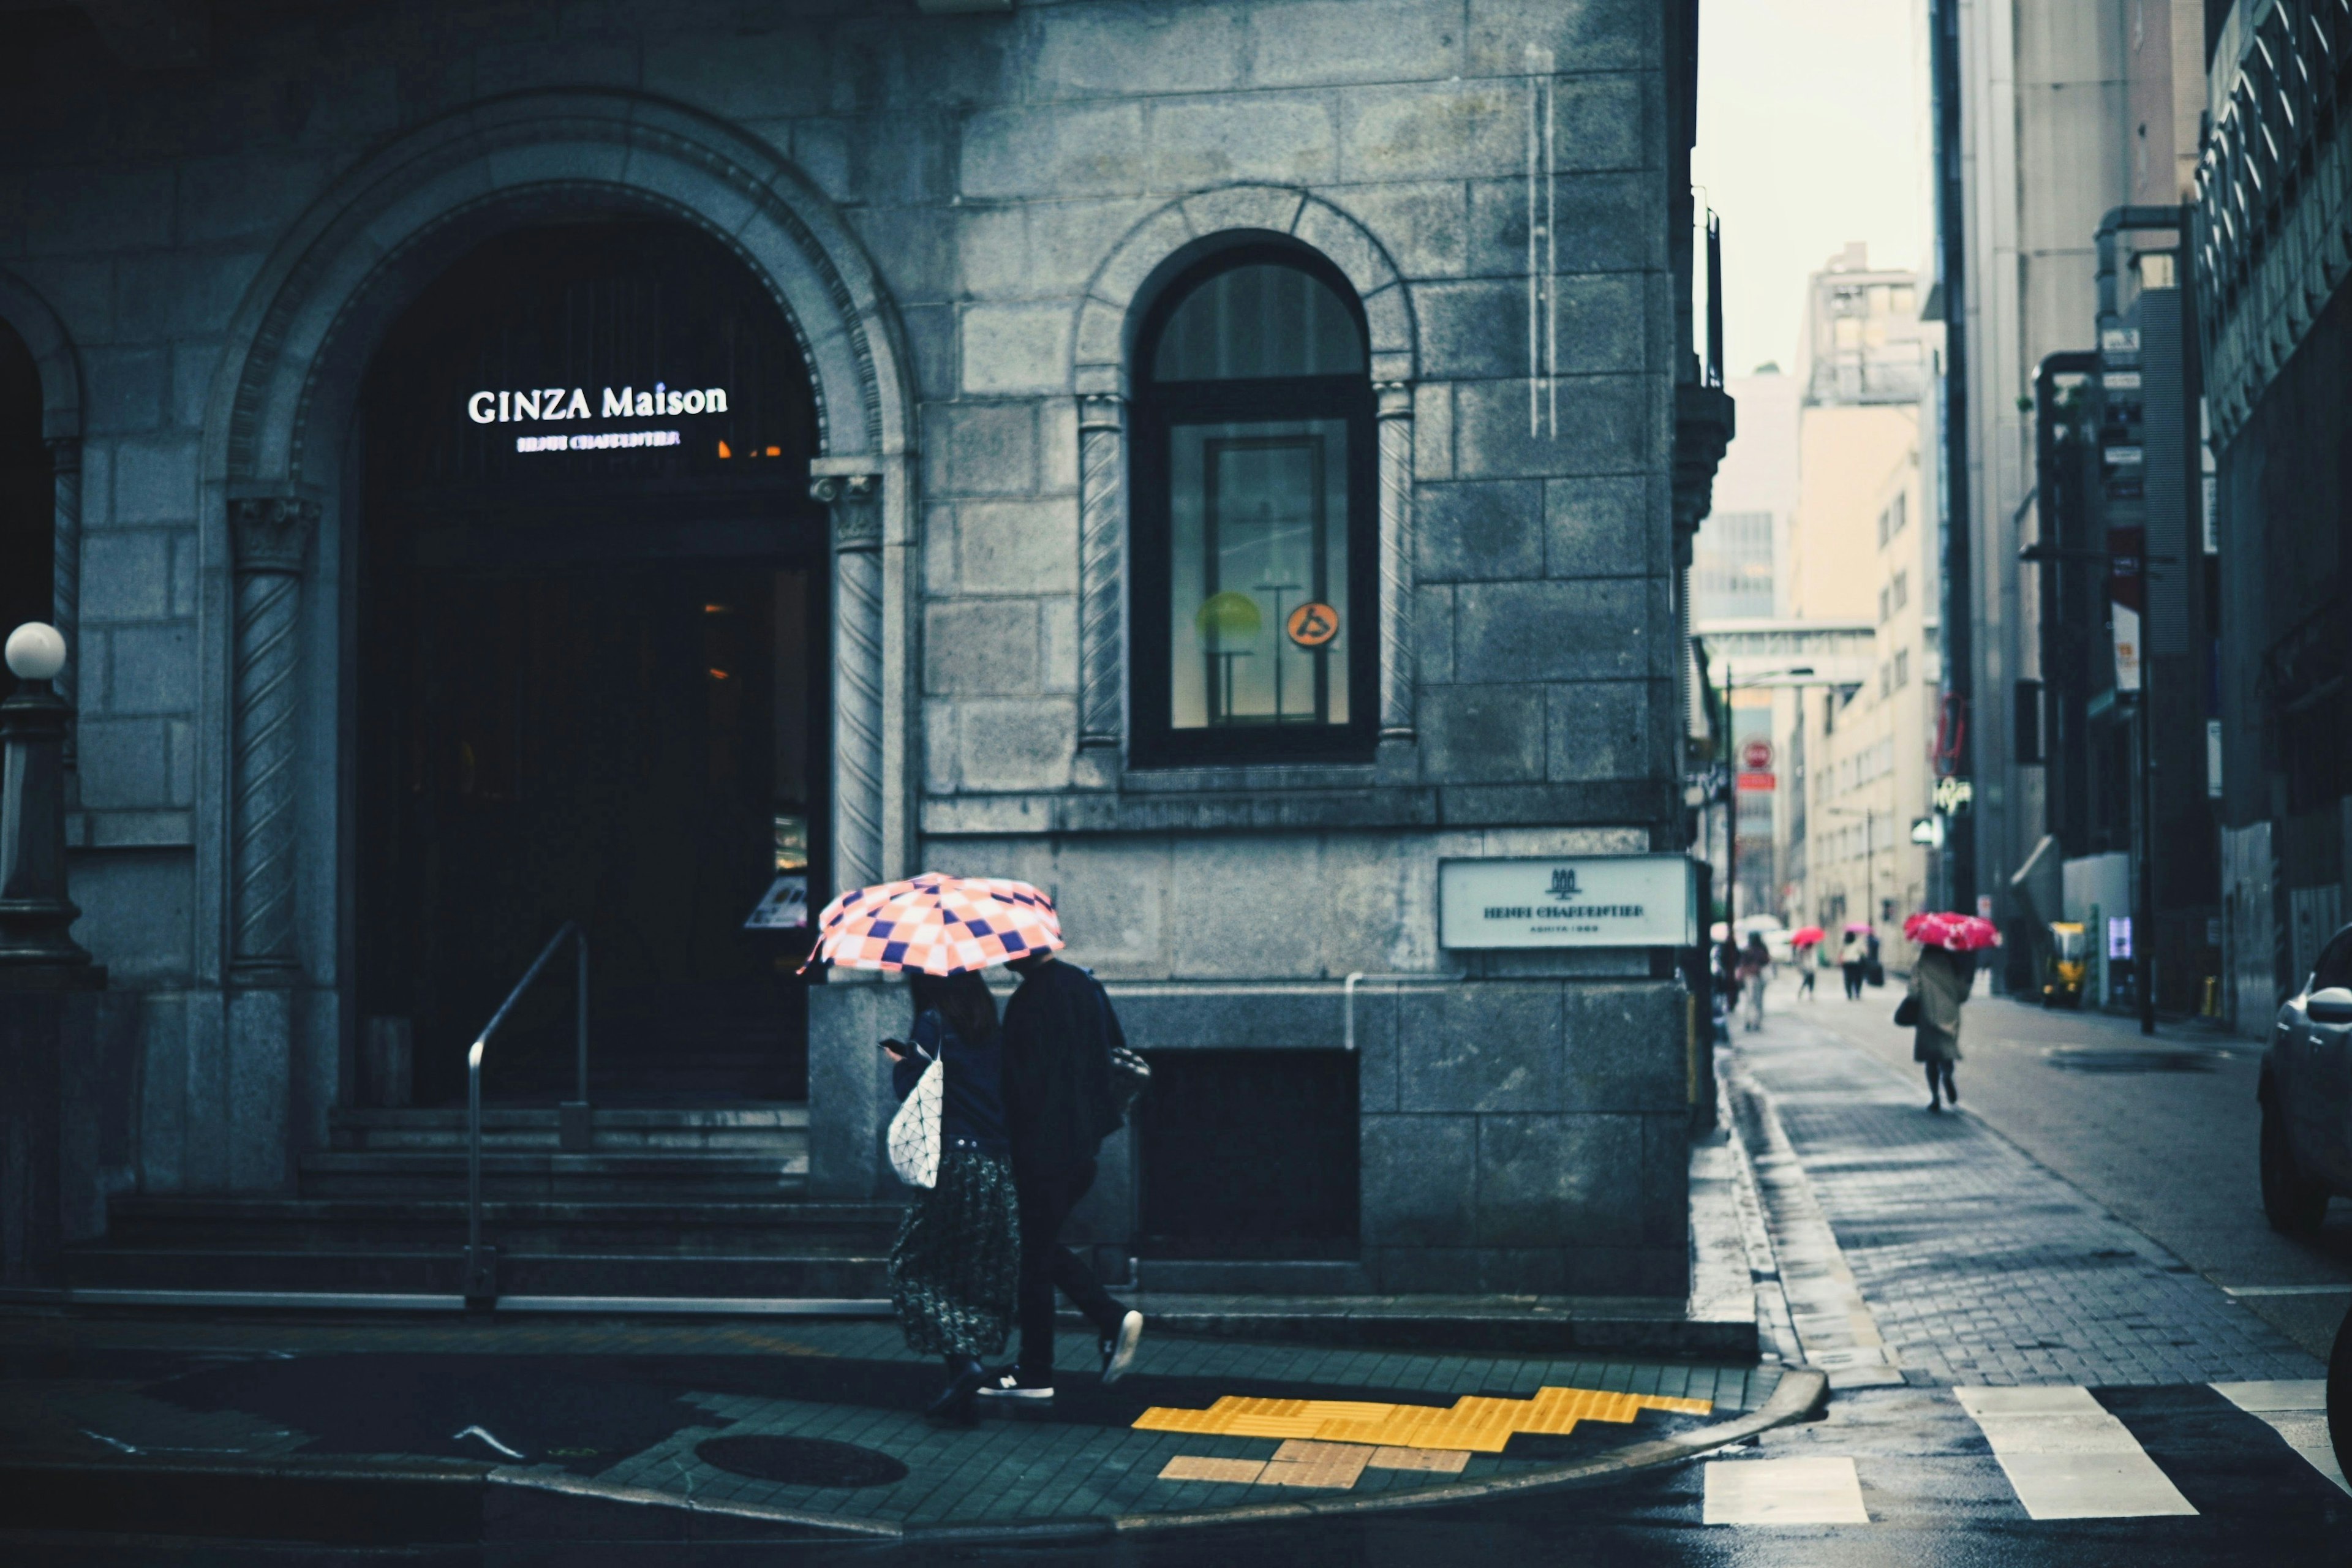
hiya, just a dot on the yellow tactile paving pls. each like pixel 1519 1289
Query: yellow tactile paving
pixel 1443 1461
pixel 1303 1464
pixel 1197 1468
pixel 1474 1423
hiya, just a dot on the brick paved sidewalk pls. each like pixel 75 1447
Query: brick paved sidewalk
pixel 1979 1264
pixel 629 1404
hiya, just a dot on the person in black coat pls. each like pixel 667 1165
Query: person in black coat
pixel 1059 1105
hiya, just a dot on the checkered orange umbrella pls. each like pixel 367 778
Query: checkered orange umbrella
pixel 938 925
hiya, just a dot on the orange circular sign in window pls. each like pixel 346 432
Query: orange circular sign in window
pixel 1312 625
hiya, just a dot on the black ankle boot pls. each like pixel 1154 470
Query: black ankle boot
pixel 958 1401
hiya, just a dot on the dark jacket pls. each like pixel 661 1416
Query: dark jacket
pixel 1059 1030
pixel 975 1080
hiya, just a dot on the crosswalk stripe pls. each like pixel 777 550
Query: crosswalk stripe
pixel 1783 1492
pixel 2297 1410
pixel 2067 1458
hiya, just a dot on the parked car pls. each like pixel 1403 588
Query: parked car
pixel 2306 1096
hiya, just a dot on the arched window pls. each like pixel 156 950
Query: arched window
pixel 1253 566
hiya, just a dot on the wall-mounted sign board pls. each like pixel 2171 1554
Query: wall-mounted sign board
pixel 1578 900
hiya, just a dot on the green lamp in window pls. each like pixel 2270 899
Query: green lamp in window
pixel 1228 615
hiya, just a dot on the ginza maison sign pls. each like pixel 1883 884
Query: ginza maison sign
pixel 535 405
pixel 1583 900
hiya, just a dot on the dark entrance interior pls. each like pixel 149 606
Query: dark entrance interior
pixel 592 662
pixel 1249 1154
pixel 28 497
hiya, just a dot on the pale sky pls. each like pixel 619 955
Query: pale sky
pixel 1813 131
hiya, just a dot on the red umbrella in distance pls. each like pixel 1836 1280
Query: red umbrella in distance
pixel 1807 937
pixel 1959 934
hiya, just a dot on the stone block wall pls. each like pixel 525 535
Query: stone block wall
pixel 1009 177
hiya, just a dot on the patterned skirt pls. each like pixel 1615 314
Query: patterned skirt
pixel 956 1265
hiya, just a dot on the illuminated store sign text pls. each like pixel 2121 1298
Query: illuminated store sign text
pixel 554 403
pixel 603 441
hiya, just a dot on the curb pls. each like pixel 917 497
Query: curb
pixel 1801 1391
pixel 1800 1394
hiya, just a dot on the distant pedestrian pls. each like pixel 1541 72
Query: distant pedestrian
pixel 1807 961
pixel 1726 978
pixel 955 1264
pixel 1060 1104
pixel 1851 957
pixel 1939 984
pixel 1755 969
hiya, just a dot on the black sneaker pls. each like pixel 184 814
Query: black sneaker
pixel 1007 1384
pixel 1118 1349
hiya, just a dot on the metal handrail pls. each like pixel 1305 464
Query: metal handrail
pixel 481 1263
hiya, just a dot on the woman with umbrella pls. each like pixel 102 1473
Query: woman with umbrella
pixel 955 1266
pixel 1806 944
pixel 1940 979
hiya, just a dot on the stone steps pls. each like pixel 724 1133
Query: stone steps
pixel 747 1128
pixel 195 1224
pixel 400 1272
pixel 621 1177
pixel 668 1201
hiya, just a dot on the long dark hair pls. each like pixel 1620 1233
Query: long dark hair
pixel 962 1000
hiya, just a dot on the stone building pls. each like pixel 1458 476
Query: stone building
pixel 511 465
pixel 2269 282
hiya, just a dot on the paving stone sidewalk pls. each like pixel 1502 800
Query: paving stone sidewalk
pixel 1979 1264
pixel 629 1404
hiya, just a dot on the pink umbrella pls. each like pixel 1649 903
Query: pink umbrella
pixel 1959 934
pixel 938 925
pixel 1807 937
pixel 1857 928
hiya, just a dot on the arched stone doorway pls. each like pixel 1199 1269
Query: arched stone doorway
pixel 593 666
pixel 284 469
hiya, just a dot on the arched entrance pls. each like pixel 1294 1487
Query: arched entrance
pixel 591 665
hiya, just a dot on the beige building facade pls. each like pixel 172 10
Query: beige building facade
pixel 1863 552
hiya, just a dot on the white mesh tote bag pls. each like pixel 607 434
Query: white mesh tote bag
pixel 914 1138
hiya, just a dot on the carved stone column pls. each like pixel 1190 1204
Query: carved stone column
pixel 1395 415
pixel 65 463
pixel 856 503
pixel 1102 587
pixel 269 536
